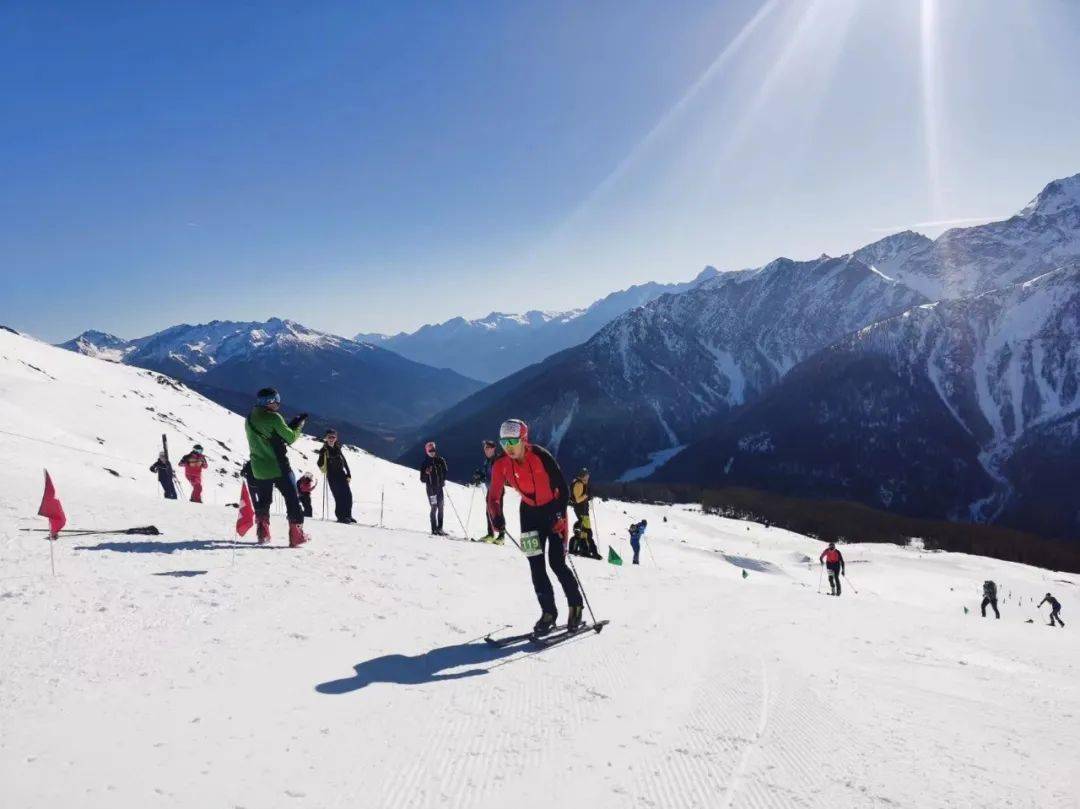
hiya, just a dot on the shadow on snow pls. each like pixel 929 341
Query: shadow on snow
pixel 173 547
pixel 424 668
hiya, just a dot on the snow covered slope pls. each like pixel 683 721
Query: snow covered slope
pixel 190 669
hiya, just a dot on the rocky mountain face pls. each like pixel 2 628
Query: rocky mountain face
pixel 495 346
pixel 640 388
pixel 323 373
pixel 966 409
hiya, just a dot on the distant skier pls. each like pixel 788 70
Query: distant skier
pixel 637 531
pixel 834 563
pixel 1055 610
pixel 433 474
pixel 304 487
pixel 164 475
pixel 534 473
pixel 268 438
pixel 193 464
pixel 990 598
pixel 491 455
pixel 582 543
pixel 335 468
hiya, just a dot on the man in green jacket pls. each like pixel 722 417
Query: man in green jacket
pixel 268 438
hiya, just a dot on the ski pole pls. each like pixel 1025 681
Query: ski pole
pixel 325 495
pixel 472 502
pixel 648 547
pixel 854 589
pixel 451 500
pixel 382 504
pixel 821 575
pixel 514 540
pixel 581 587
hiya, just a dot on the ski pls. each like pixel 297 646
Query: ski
pixel 507 640
pixel 559 637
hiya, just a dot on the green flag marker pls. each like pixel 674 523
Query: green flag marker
pixel 965 611
pixel 745 574
pixel 613 557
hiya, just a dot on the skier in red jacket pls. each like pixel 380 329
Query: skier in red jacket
pixel 834 561
pixel 193 464
pixel 535 474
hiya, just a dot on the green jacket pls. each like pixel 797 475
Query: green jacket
pixel 268 435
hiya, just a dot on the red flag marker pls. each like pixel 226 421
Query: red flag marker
pixel 247 511
pixel 51 508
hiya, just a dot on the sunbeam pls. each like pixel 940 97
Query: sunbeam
pixel 931 88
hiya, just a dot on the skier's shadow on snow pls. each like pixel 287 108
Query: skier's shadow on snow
pixel 173 547
pixel 423 668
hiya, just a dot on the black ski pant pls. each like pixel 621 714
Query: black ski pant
pixel 541 519
pixel 1055 615
pixel 991 602
pixel 339 487
pixel 305 503
pixel 436 503
pixel 490 527
pixel 168 487
pixel 264 497
pixel 834 578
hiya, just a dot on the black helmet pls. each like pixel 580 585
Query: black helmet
pixel 197 448
pixel 583 472
pixel 267 396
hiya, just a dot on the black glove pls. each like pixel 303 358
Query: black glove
pixel 298 422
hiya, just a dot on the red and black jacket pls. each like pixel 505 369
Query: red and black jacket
pixel 536 477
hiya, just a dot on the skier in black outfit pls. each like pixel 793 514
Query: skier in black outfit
pixel 834 563
pixel 433 474
pixel 1055 609
pixel 164 472
pixel 335 468
pixel 990 598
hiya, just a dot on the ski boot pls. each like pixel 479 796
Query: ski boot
pixel 297 537
pixel 500 539
pixel 487 538
pixel 545 624
pixel 262 528
pixel 575 621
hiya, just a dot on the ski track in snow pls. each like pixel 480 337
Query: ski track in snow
pixel 189 669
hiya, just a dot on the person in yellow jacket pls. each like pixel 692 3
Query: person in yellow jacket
pixel 582 543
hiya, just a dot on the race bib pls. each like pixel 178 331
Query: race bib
pixel 530 544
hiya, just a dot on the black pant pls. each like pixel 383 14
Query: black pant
pixel 490 527
pixel 1055 615
pixel 305 503
pixel 339 487
pixel 168 487
pixel 993 603
pixel 834 578
pixel 541 519
pixel 436 501
pixel 264 497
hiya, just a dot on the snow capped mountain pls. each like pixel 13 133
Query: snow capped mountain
pixel 967 261
pixel 323 373
pixel 491 347
pixel 928 412
pixel 99 344
pixel 648 380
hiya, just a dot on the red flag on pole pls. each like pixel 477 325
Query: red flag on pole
pixel 247 511
pixel 51 508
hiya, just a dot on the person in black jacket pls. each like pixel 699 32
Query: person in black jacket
pixel 164 475
pixel 990 598
pixel 1055 609
pixel 335 468
pixel 433 474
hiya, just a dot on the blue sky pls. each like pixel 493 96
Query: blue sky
pixel 376 166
